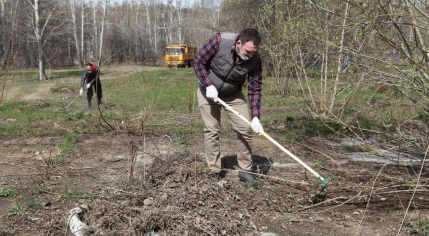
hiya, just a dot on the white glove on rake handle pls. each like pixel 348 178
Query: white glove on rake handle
pixel 81 92
pixel 211 92
pixel 256 126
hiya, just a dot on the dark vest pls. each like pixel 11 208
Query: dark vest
pixel 225 74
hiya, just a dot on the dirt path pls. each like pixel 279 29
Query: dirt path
pixel 42 90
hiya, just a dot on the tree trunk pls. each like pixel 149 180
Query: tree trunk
pixel 155 36
pixel 76 38
pixel 2 32
pixel 421 43
pixel 82 30
pixel 94 19
pixel 38 33
pixel 340 58
pixel 102 31
pixel 149 28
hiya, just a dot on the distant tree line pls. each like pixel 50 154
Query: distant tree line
pixel 69 33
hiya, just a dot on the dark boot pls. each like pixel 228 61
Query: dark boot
pixel 89 104
pixel 218 175
pixel 246 177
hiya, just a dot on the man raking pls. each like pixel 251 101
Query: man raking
pixel 91 76
pixel 224 64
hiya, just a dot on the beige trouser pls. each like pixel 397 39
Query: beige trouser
pixel 211 114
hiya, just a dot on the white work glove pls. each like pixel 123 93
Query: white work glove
pixel 81 92
pixel 256 126
pixel 211 92
pixel 88 85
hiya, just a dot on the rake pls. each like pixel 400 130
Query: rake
pixel 324 181
pixel 65 108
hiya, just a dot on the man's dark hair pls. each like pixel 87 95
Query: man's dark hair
pixel 89 64
pixel 250 34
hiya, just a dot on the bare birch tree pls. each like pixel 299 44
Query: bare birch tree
pixel 102 32
pixel 82 30
pixel 2 32
pixel 151 29
pixel 38 32
pixel 75 30
pixel 403 27
pixel 42 30
pixel 340 58
pixel 95 42
pixel 9 33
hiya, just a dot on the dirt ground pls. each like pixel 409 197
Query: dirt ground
pixel 172 193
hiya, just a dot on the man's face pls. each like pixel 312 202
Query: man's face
pixel 89 69
pixel 248 49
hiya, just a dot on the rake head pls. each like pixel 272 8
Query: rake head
pixel 320 196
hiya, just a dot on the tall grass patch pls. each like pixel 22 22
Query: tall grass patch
pixel 359 104
pixel 34 74
pixel 166 97
pixel 65 73
pixel 165 100
pixel 35 118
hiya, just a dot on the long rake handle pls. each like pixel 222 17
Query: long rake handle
pixel 72 101
pixel 274 142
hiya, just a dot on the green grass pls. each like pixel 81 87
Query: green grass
pixel 422 228
pixel 126 184
pixel 27 81
pixel 64 148
pixel 255 184
pixel 33 204
pixel 423 117
pixel 30 111
pixel 316 127
pixel 168 99
pixel 30 74
pixel 69 144
pixel 299 127
pixel 6 192
pixel 37 188
pixel 8 130
pixel 37 117
pixel 60 87
pixel 26 86
pixel 162 90
pixel 364 122
pixel 17 210
pixel 65 73
pixel 34 74
pixel 27 118
pixel 70 195
pixel 167 96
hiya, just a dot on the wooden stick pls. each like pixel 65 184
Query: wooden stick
pixel 273 141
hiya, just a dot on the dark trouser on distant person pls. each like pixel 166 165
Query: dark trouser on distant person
pixel 97 87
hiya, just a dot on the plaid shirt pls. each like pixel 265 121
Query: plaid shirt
pixel 202 64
